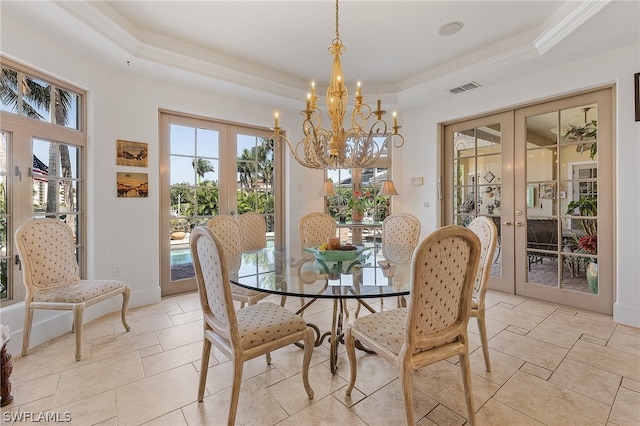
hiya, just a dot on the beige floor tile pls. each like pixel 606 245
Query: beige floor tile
pixel 503 366
pixel 147 324
pixel 167 306
pixel 174 418
pixel 554 335
pixel 386 405
pixel 324 412
pixel 513 317
pixel 291 395
pixel 621 363
pixel 32 390
pixel 92 410
pixel 190 304
pixel 549 403
pixel 98 377
pixel 627 329
pixel 123 344
pixel 495 413
pixel 172 358
pixel 441 415
pixel 587 380
pixel 154 396
pixel 151 350
pixel 493 327
pixel 180 335
pixel 625 342
pixel 537 371
pixel 527 349
pixel 373 372
pixel 602 330
pixel 44 360
pixel 536 307
pixel 626 408
pixel 442 382
pixel 256 406
pixel 630 384
pixel 186 317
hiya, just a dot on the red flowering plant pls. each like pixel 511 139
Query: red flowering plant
pixel 589 244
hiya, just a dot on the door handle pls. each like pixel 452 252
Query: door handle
pixel 507 223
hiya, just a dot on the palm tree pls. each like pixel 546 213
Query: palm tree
pixel 38 97
pixel 201 167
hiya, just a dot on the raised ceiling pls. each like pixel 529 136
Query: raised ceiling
pixel 393 47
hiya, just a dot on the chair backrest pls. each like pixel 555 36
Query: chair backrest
pixel 253 228
pixel 214 288
pixel 315 228
pixel 400 236
pixel 486 230
pixel 47 253
pixel 443 270
pixel 226 229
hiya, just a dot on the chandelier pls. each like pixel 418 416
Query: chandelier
pixel 337 147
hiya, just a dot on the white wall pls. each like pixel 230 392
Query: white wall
pixel 616 67
pixel 124 105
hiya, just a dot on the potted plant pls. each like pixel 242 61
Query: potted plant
pixel 178 229
pixel 358 204
pixel 588 243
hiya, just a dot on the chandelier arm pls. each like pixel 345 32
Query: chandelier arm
pixel 335 147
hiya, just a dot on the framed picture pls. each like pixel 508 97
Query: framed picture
pixel 547 191
pixel 636 91
pixel 133 185
pixel 131 153
pixel 531 196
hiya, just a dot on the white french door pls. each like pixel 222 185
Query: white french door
pixel 211 168
pixel 544 173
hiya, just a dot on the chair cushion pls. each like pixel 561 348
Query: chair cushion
pixel 265 322
pixel 77 292
pixel 385 328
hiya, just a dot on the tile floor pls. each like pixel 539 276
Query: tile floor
pixel 552 365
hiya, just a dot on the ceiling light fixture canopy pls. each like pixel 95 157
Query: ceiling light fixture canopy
pixel 337 148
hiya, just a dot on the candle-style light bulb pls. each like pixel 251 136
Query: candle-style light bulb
pixel 308 101
pixel 395 119
pixel 276 116
pixel 358 91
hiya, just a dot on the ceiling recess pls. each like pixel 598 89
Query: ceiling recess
pixel 464 88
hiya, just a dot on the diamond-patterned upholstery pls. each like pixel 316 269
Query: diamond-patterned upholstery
pixel 315 228
pixel 247 333
pixel 434 325
pixel 52 277
pixel 486 230
pixel 227 230
pixel 400 235
pixel 253 228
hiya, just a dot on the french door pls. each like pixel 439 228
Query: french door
pixel 544 174
pixel 211 168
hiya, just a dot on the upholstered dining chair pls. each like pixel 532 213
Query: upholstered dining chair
pixel 400 236
pixel 315 228
pixel 486 230
pixel 253 229
pixel 52 277
pixel 228 232
pixel 244 334
pixel 434 325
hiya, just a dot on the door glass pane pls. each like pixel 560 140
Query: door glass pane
pixel 194 197
pixel 561 167
pixel 477 188
pixel 255 178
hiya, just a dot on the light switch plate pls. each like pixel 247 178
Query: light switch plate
pixel 417 181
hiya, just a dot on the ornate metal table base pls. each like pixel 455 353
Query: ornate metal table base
pixel 336 334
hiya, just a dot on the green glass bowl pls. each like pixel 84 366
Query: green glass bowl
pixel 336 255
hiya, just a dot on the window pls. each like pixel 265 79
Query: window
pixel 41 151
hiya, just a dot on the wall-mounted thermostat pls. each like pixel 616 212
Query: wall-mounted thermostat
pixel 417 181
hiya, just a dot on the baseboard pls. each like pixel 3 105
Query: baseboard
pixel 626 314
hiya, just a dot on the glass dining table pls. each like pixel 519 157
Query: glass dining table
pixel 289 274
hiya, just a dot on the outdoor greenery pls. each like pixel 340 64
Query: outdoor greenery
pixel 193 206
